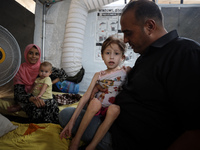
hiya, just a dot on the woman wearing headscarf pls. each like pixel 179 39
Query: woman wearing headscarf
pixel 38 111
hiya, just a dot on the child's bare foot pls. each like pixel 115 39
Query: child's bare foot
pixel 74 145
pixel 14 108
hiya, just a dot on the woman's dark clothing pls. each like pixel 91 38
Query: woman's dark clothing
pixel 48 113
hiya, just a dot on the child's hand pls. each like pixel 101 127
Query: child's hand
pixel 66 132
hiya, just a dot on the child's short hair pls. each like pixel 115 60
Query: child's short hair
pixel 46 64
pixel 113 40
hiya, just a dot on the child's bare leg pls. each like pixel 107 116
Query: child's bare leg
pixel 93 107
pixel 111 114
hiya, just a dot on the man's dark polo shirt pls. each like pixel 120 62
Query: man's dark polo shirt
pixel 161 97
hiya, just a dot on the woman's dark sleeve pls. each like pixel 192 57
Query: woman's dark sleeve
pixel 20 94
pixel 58 73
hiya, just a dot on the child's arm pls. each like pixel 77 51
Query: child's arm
pixel 81 104
pixel 47 82
pixel 44 87
pixel 86 96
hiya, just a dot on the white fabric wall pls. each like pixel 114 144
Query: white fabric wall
pixel 55 26
pixel 56 17
pixel 90 65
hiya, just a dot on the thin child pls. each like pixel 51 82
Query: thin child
pixel 111 79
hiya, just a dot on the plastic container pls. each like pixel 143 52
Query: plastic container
pixel 68 87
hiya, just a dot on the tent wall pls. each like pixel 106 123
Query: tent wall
pixel 18 21
pixel 185 20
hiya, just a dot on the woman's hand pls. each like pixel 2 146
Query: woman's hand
pixel 66 132
pixel 55 81
pixel 37 102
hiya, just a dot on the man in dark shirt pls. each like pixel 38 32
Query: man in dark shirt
pixel 160 101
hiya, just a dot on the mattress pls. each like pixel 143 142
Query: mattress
pixel 8 101
pixel 44 137
pixel 30 136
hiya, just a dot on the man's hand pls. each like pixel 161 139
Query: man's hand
pixel 96 89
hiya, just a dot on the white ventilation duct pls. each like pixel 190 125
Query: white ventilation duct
pixel 74 33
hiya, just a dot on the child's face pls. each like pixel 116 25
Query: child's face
pixel 112 56
pixel 45 71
